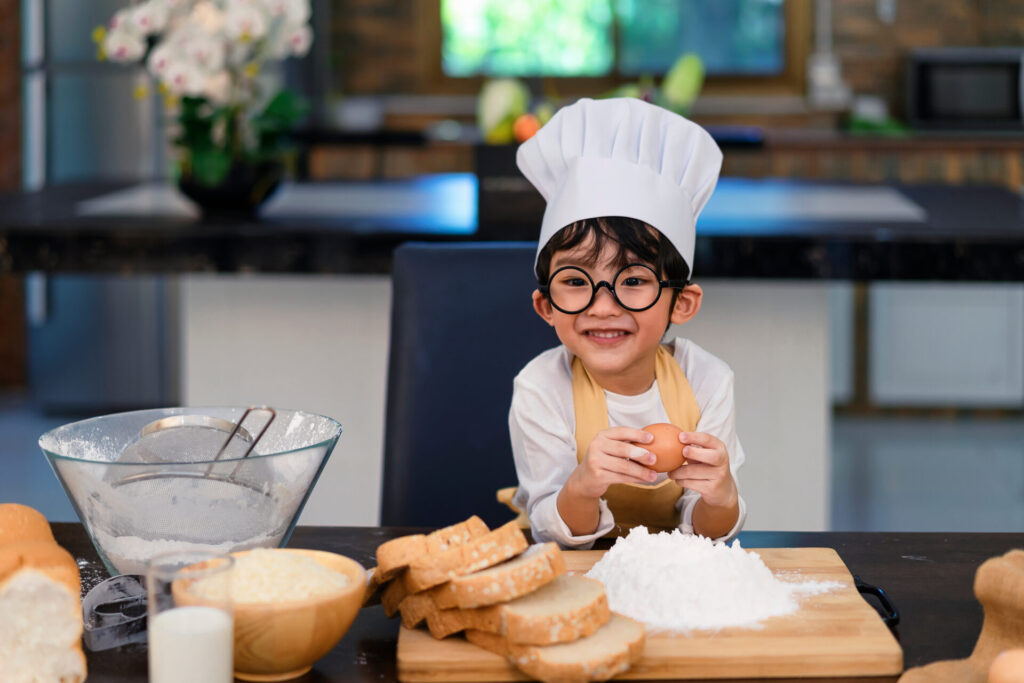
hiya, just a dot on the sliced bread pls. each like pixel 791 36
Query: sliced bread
pixel 609 651
pixel 534 567
pixel 395 555
pixel 415 608
pixel 566 608
pixel 434 568
pixel 392 595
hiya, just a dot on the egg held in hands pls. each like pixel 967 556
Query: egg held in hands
pixel 666 446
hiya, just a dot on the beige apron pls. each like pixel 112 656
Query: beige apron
pixel 636 504
pixel 630 504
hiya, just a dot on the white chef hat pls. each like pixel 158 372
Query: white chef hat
pixel 622 157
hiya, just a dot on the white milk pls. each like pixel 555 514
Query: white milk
pixel 193 644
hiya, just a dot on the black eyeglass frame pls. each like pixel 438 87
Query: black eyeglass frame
pixel 662 284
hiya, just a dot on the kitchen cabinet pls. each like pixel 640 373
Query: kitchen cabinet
pixel 937 344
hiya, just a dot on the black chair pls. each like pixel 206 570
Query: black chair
pixel 462 326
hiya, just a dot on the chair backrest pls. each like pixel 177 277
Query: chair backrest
pixel 462 327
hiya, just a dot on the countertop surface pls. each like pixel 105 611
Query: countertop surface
pixel 766 229
pixel 928 576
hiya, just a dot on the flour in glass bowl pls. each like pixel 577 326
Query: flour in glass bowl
pixel 679 582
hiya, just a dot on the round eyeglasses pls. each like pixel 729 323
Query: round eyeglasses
pixel 636 287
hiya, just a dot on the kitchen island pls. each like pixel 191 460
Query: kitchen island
pixel 303 295
pixel 928 577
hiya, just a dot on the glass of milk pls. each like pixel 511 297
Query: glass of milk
pixel 190 622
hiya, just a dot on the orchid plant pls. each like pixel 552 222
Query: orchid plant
pixel 207 57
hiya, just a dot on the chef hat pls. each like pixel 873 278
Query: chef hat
pixel 622 157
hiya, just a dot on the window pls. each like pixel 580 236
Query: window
pixel 582 46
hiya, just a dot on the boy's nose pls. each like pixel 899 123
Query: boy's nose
pixel 604 302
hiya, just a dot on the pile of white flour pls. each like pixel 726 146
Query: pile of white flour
pixel 678 582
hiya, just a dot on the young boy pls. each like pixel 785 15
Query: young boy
pixel 624 182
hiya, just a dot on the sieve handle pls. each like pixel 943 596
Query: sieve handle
pixel 271 415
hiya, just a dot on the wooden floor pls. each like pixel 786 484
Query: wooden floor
pixel 888 474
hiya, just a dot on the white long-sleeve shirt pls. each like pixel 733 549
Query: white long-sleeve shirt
pixel 542 425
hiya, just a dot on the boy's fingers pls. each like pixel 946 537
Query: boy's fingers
pixel 700 439
pixel 628 451
pixel 629 434
pixel 706 456
pixel 632 470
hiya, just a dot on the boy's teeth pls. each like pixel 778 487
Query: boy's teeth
pixel 606 335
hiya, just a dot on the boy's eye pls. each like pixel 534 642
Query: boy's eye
pixel 632 281
pixel 575 282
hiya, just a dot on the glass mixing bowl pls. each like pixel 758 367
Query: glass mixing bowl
pixel 136 502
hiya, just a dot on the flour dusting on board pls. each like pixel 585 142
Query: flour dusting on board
pixel 679 582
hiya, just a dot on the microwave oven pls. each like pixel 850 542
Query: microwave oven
pixel 965 88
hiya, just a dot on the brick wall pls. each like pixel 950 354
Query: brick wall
pixel 872 51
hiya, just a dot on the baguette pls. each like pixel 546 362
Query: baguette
pixel 434 568
pixel 609 651
pixel 567 608
pixel 536 566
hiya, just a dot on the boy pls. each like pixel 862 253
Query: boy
pixel 624 182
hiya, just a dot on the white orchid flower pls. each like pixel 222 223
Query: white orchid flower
pixel 245 22
pixel 160 59
pixel 123 46
pixel 150 17
pixel 299 40
pixel 184 78
pixel 207 16
pixel 293 11
pixel 121 20
pixel 206 52
pixel 217 88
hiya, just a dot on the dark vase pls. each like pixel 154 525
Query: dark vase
pixel 239 195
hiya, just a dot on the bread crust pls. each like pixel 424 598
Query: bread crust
pixel 536 566
pixel 49 559
pixel 567 608
pixel 607 653
pixel 395 555
pixel 21 523
pixel 432 569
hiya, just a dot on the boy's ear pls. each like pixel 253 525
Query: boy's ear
pixel 542 305
pixel 687 304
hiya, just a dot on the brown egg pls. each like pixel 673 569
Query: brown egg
pixel 666 446
pixel 1007 667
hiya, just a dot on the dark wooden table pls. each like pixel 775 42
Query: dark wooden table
pixel 929 577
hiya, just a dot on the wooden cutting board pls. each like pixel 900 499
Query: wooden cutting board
pixel 833 634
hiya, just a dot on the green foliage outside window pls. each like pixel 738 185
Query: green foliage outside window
pixel 602 37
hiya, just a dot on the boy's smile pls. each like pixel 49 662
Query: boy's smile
pixel 616 345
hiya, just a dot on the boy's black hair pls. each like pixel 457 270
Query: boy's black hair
pixel 633 237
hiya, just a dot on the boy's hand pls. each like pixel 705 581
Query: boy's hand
pixel 706 470
pixel 613 458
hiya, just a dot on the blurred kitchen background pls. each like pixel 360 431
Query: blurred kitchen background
pixel 926 379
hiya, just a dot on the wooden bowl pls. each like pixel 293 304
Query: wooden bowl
pixel 276 641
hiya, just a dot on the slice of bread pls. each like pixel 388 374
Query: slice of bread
pixel 395 555
pixel 415 608
pixel 609 651
pixel 566 608
pixel 392 596
pixel 41 628
pixel 534 567
pixel 434 568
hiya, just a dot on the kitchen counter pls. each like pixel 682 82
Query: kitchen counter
pixel 929 577
pixel 760 229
